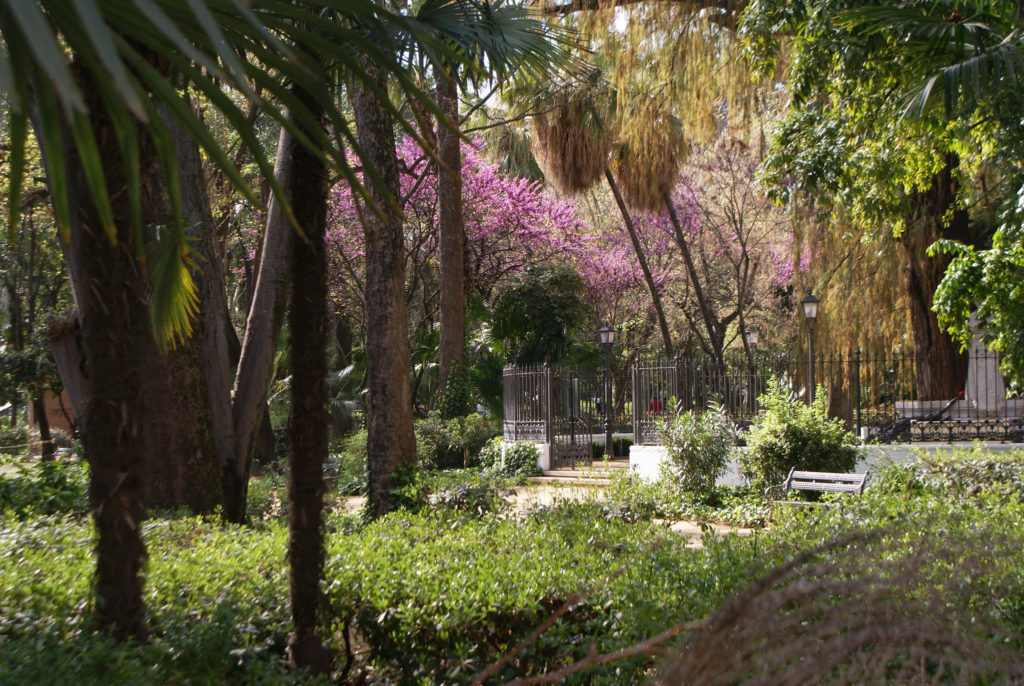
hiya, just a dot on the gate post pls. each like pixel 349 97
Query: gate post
pixel 677 383
pixel 636 403
pixel 549 416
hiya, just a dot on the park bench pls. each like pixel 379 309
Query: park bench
pixel 828 482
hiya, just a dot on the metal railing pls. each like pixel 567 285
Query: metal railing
pixel 888 397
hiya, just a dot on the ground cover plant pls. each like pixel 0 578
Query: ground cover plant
pixel 437 593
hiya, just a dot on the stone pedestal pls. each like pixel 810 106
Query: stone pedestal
pixel 985 391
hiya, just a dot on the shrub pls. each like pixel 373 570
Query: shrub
pixel 348 465
pixel 45 488
pixel 13 441
pixel 698 448
pixel 452 443
pixel 620 446
pixel 519 461
pixel 791 435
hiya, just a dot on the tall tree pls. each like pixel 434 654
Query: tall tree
pixel 102 136
pixel 391 445
pixel 845 148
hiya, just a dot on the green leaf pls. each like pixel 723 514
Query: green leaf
pixel 174 297
pixel 43 43
pixel 17 135
pixel 92 168
pixel 102 41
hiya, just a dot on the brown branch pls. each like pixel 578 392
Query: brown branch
pixel 592 659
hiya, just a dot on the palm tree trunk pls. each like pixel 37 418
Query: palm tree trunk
pixel 666 337
pixel 307 430
pixel 451 238
pixel 391 445
pixel 114 326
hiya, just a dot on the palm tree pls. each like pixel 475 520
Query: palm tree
pixel 485 41
pixel 99 125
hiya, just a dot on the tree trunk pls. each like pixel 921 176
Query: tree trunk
pixel 45 439
pixel 941 367
pixel 256 363
pixel 308 427
pixel 642 259
pixel 391 445
pixel 115 330
pixel 715 339
pixel 451 238
pixel 214 332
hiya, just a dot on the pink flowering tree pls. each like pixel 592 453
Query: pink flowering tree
pixel 510 224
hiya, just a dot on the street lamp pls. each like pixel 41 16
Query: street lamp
pixel 810 306
pixel 607 341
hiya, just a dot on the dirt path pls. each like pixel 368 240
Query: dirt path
pixel 530 496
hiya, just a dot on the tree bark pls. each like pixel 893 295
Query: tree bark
pixel 642 259
pixel 45 439
pixel 391 444
pixel 309 422
pixel 214 331
pixel 451 238
pixel 115 328
pixel 941 367
pixel 256 363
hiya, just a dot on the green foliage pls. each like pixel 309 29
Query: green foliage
pixel 621 446
pixel 217 597
pixel 45 488
pixel 450 443
pixel 14 440
pixel 790 434
pixel 457 399
pixel 698 446
pixel 447 610
pixel 518 461
pixel 347 466
pixel 992 281
pixel 642 499
pixel 538 312
pixel 26 370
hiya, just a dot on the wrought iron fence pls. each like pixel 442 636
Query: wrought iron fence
pixel 887 397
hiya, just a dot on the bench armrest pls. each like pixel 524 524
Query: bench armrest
pixel 776 492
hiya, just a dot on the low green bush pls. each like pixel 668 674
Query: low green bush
pixel 698 447
pixel 45 488
pixel 347 465
pixel 518 461
pixel 638 498
pixel 14 441
pixel 452 443
pixel 446 609
pixel 790 434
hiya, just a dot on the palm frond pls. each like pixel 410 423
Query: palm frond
pixel 174 297
pixel 144 53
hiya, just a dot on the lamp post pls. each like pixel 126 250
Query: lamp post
pixel 751 336
pixel 810 306
pixel 607 341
